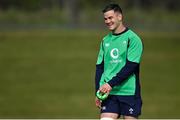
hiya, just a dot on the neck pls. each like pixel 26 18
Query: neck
pixel 119 29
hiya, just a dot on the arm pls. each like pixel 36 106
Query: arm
pixel 125 72
pixel 99 72
pixel 99 67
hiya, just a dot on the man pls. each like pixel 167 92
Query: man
pixel 117 68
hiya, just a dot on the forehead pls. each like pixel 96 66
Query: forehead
pixel 109 13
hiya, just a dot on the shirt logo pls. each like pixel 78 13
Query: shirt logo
pixel 103 108
pixel 107 44
pixel 131 111
pixel 114 53
pixel 124 42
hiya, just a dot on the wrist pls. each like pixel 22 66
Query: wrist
pixel 110 84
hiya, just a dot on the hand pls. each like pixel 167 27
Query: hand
pixel 98 102
pixel 106 88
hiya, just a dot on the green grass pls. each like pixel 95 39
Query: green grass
pixel 50 74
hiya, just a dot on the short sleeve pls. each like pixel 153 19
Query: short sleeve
pixel 101 54
pixel 135 49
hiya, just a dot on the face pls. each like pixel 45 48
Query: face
pixel 112 19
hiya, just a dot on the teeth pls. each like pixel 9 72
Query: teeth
pixel 110 24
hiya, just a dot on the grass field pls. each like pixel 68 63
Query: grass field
pixel 49 73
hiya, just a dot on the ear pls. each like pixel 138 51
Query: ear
pixel 120 17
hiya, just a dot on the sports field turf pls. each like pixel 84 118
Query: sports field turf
pixel 49 73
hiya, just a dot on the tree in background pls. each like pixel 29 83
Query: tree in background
pixel 73 11
pixel 74 4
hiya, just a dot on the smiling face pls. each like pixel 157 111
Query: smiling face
pixel 112 19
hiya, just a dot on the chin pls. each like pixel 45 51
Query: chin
pixel 111 29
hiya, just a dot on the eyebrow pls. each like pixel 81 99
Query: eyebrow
pixel 108 17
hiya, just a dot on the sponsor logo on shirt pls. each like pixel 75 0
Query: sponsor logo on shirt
pixel 115 55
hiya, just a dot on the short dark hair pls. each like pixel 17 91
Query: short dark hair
pixel 114 7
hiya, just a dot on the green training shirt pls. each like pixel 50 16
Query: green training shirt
pixel 115 50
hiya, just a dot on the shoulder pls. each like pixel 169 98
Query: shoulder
pixel 106 37
pixel 133 37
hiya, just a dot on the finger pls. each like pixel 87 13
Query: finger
pixel 103 90
pixel 98 105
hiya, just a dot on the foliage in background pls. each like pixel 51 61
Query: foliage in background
pixel 40 4
pixel 139 13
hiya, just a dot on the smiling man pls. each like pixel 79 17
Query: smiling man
pixel 117 68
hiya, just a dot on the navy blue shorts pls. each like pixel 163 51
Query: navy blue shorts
pixel 122 105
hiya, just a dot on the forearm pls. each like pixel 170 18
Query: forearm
pixel 124 73
pixel 99 72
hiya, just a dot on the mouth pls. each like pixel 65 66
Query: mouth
pixel 109 25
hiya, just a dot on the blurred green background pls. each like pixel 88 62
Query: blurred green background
pixel 48 51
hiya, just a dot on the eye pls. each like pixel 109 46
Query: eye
pixel 110 17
